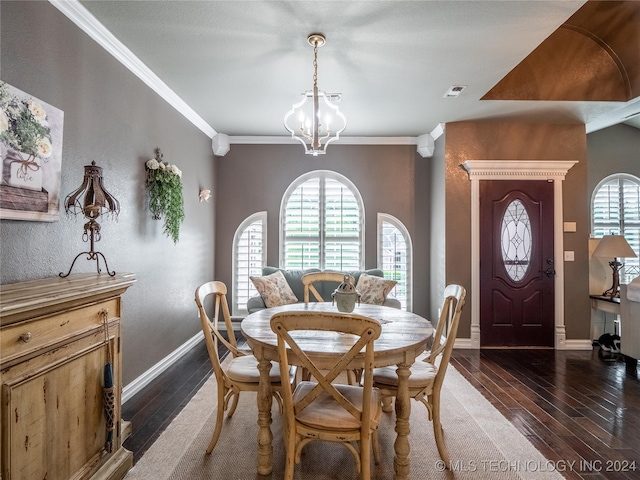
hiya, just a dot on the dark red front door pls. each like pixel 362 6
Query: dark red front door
pixel 516 263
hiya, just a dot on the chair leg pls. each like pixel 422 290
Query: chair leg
pixel 278 398
pixel 234 404
pixel 219 419
pixel 375 442
pixel 438 432
pixel 290 454
pixel 365 458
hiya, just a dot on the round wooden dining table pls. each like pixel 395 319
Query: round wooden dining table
pixel 404 336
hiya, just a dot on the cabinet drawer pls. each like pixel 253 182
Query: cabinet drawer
pixel 24 337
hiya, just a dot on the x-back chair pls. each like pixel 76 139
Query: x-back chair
pixel 425 382
pixel 241 374
pixel 309 279
pixel 326 410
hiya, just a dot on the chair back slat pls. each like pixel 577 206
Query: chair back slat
pixel 309 279
pixel 366 329
pixel 211 327
pixel 454 299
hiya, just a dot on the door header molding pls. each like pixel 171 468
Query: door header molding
pixel 517 169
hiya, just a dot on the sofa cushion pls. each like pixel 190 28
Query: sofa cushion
pixel 274 290
pixel 374 289
pixel 293 277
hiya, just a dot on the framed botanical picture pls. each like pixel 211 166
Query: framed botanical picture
pixel 31 156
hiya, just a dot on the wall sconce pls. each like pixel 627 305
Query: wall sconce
pixel 97 201
pixel 205 195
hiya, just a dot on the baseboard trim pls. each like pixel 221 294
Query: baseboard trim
pixel 468 344
pixel 465 344
pixel 147 377
pixel 578 344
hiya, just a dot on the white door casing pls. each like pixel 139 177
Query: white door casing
pixel 553 171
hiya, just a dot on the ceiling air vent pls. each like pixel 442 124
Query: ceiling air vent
pixel 454 91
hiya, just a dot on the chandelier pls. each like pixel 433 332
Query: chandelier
pixel 313 123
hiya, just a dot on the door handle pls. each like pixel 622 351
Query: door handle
pixel 550 271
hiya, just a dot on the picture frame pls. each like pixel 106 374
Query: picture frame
pixel 31 133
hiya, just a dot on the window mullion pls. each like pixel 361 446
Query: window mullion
pixel 323 218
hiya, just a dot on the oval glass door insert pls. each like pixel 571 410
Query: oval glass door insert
pixel 515 234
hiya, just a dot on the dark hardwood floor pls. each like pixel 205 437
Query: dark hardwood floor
pixel 580 409
pixel 151 410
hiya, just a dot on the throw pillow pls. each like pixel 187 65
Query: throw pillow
pixel 274 290
pixel 373 289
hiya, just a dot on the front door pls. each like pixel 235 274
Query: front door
pixel 516 263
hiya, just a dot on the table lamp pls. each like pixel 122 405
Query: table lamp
pixel 92 200
pixel 614 246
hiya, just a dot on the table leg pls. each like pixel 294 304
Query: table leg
pixel 265 437
pixel 403 411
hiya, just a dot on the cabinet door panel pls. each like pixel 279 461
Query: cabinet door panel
pixel 55 426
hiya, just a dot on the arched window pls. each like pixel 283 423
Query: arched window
pixel 322 223
pixel 250 255
pixel 615 209
pixel 395 254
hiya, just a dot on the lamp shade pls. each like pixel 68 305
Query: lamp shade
pixel 614 246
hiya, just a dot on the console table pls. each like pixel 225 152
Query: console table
pixel 607 305
pixel 56 335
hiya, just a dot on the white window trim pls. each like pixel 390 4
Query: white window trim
pixel 385 217
pixel 619 177
pixel 615 176
pixel 323 174
pixel 256 217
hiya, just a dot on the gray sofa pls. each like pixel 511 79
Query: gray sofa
pixel 294 279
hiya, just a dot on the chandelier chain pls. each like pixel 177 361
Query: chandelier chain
pixel 315 64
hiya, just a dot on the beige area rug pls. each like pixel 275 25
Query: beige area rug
pixel 482 444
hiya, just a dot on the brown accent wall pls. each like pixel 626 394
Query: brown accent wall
pixel 391 179
pixel 111 117
pixel 492 140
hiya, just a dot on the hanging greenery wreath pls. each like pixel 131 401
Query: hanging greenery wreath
pixel 164 183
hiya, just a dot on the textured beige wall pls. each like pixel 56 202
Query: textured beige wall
pixel 492 140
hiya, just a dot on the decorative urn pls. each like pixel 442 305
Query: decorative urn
pixel 345 295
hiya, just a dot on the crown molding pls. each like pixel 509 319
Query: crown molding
pixel 287 140
pixel 79 15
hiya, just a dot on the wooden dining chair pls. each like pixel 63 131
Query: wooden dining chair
pixel 241 373
pixel 309 279
pixel 325 410
pixel 425 381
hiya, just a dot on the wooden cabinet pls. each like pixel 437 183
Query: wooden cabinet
pixel 56 336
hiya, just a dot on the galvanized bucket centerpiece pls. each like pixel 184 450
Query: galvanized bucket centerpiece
pixel 345 295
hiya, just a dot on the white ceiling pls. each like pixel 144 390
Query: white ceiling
pixel 241 64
